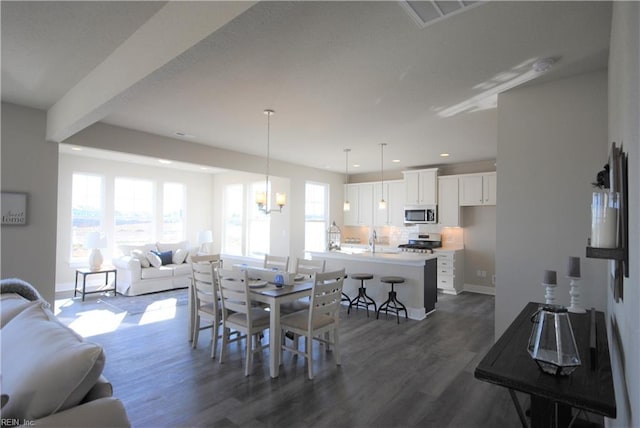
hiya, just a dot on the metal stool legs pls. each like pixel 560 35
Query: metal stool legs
pixel 393 305
pixel 362 300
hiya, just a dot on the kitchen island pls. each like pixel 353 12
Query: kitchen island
pixel 419 291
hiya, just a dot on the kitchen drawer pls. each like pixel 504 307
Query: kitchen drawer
pixel 445 264
pixel 445 281
pixel 446 256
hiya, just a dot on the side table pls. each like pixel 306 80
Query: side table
pixel 589 387
pixel 106 270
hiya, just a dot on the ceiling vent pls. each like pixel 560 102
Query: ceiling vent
pixel 427 12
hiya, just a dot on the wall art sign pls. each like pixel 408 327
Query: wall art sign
pixel 14 208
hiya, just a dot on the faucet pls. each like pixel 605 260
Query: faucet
pixel 372 241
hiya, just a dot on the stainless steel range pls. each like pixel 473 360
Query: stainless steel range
pixel 422 243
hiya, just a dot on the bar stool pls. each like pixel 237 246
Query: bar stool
pixel 392 304
pixel 362 300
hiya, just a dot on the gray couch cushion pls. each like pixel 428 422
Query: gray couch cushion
pixel 48 367
pixel 11 305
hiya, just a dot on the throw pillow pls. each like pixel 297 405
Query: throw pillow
pixel 139 255
pixel 180 256
pixel 57 372
pixel 154 259
pixel 165 256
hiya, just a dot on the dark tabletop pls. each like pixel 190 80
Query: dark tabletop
pixel 509 364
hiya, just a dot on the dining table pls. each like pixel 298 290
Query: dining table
pixel 274 296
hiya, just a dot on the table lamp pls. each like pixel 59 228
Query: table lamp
pixel 94 241
pixel 205 237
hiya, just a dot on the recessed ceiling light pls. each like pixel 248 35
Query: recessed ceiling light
pixel 164 161
pixel 396 161
pixel 76 149
pixel 204 168
pixel 356 165
pixel 444 155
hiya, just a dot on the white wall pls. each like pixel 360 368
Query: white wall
pixel 550 147
pixel 30 165
pixel 200 198
pixel 624 127
pixel 479 245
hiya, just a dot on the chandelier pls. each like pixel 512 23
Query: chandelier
pixel 263 198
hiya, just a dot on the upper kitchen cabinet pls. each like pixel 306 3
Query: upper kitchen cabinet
pixel 421 187
pixel 360 196
pixel 393 192
pixel 448 204
pixel 477 189
pixel 351 195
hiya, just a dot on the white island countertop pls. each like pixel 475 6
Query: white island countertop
pixel 390 257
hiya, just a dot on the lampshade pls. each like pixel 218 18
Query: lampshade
pixel 205 237
pixel 95 240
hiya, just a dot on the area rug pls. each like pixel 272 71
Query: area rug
pixel 147 302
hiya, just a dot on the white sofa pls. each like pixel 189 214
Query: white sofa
pixel 137 273
pixel 51 376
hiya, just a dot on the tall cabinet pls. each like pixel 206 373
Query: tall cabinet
pixel 448 204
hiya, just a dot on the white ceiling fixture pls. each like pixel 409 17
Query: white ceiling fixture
pixel 263 199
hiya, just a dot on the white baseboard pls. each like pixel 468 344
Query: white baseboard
pixel 480 289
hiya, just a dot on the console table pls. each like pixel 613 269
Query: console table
pixel 106 270
pixel 589 387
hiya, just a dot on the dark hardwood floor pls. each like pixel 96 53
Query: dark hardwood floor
pixel 416 374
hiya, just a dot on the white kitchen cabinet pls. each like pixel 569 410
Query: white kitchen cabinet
pixel 360 196
pixel 421 187
pixel 448 204
pixel 351 193
pixel 477 189
pixel 396 203
pixel 450 270
pixel 394 195
pixel 365 204
pixel 489 188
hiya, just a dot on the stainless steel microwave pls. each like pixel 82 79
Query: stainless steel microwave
pixel 420 214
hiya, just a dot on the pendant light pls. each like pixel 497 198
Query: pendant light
pixel 382 205
pixel 347 204
pixel 263 198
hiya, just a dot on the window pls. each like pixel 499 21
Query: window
pixel 87 196
pixel 258 233
pixel 134 211
pixel 173 212
pixel 316 216
pixel 232 230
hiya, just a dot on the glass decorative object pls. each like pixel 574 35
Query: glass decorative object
pixel 552 344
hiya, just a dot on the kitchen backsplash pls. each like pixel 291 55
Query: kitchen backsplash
pixel 394 236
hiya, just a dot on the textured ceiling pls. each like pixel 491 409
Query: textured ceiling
pixel 338 74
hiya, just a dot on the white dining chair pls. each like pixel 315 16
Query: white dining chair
pixel 238 314
pixel 205 301
pixel 323 316
pixel 307 268
pixel 277 262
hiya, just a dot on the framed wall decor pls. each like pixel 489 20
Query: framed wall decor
pixel 14 209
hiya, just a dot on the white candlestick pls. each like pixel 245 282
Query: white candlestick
pixel 574 292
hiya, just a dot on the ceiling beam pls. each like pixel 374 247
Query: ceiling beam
pixel 171 31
